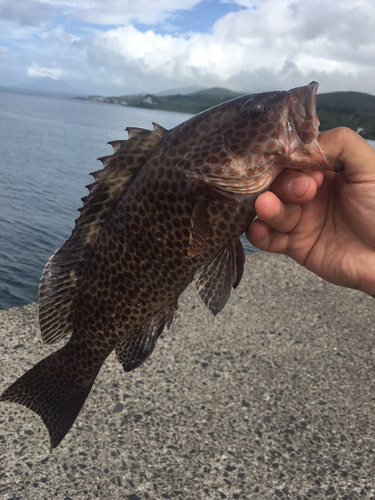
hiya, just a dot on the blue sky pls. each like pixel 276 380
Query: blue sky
pixel 200 18
pixel 117 47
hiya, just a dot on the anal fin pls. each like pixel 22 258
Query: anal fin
pixel 240 261
pixel 132 351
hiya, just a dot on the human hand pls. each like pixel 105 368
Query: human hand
pixel 325 220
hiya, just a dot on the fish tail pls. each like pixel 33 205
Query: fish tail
pixel 55 389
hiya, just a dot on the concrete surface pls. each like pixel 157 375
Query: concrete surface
pixel 274 398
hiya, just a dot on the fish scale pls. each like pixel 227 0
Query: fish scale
pixel 167 208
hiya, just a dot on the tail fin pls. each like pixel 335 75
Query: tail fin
pixel 56 389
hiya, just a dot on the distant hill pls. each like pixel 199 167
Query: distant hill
pixel 181 90
pixel 355 110
pixel 351 109
pixel 184 103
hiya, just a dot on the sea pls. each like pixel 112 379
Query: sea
pixel 48 147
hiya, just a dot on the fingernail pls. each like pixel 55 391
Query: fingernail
pixel 298 186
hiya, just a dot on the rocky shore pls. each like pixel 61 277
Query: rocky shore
pixel 273 398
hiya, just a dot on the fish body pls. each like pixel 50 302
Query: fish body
pixel 167 208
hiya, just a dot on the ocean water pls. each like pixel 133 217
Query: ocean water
pixel 49 145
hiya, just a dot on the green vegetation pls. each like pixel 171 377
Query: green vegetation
pixel 350 109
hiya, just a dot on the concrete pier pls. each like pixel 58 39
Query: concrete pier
pixel 274 398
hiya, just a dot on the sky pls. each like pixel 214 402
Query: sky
pixel 119 47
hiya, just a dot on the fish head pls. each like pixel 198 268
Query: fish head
pixel 259 136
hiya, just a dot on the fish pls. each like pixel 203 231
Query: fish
pixel 167 208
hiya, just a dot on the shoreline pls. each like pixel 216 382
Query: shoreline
pixel 272 398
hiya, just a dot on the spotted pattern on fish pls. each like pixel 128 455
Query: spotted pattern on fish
pixel 167 208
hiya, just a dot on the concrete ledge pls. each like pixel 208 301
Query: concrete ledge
pixel 273 398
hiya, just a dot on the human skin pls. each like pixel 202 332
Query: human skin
pixel 325 220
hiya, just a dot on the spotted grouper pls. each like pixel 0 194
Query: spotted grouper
pixel 167 208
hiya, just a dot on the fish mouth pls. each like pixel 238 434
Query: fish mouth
pixel 302 112
pixel 300 130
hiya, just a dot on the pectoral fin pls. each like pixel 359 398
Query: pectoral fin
pixel 215 280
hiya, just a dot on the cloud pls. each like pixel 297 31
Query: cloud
pixel 125 11
pixel 59 36
pixel 112 12
pixel 41 72
pixel 268 44
pixel 246 49
pixel 27 12
pixel 5 54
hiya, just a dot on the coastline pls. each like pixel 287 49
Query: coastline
pixel 272 398
pixel 355 110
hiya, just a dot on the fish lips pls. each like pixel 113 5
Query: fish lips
pixel 300 130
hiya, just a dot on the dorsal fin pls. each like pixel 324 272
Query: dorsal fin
pixel 61 280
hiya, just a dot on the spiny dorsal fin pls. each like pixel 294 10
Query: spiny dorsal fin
pixel 215 280
pixel 62 276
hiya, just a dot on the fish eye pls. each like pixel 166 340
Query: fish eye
pixel 253 110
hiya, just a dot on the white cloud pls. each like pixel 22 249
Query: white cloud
pixel 124 11
pixel 270 44
pixel 39 72
pixel 59 36
pixel 112 12
pixel 247 49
